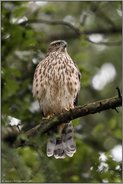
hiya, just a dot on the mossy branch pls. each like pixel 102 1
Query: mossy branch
pixel 47 124
pixel 79 111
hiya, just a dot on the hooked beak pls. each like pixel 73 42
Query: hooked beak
pixel 65 44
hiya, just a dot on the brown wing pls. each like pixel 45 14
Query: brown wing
pixel 76 99
pixel 38 88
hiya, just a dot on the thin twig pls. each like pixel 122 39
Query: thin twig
pixel 107 43
pixel 75 29
pixel 51 22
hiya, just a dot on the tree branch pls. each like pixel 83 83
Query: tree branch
pixel 76 30
pixel 77 112
pixel 47 124
pixel 107 43
pixel 56 22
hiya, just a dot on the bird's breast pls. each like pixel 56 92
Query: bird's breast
pixel 57 82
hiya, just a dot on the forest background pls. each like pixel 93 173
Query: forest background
pixel 93 33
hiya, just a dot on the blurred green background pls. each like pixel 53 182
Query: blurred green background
pixel 97 52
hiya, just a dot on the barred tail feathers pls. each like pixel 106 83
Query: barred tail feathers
pixel 68 140
pixel 62 146
pixel 51 146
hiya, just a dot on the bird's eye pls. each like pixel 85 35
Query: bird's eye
pixel 58 43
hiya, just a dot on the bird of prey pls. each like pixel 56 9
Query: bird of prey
pixel 56 85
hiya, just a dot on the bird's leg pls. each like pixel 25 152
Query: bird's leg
pixel 67 109
pixel 70 107
pixel 50 133
pixel 48 116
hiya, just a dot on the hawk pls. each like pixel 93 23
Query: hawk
pixel 56 85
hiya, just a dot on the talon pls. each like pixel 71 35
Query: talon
pixel 47 117
pixel 118 91
pixel 67 109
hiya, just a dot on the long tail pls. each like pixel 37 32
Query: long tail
pixel 62 146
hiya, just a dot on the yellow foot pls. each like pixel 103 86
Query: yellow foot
pixel 72 107
pixel 69 108
pixel 48 117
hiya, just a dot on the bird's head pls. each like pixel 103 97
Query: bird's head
pixel 58 45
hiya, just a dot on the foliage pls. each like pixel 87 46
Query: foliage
pixel 23 46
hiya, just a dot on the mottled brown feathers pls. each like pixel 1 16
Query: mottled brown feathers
pixel 56 80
